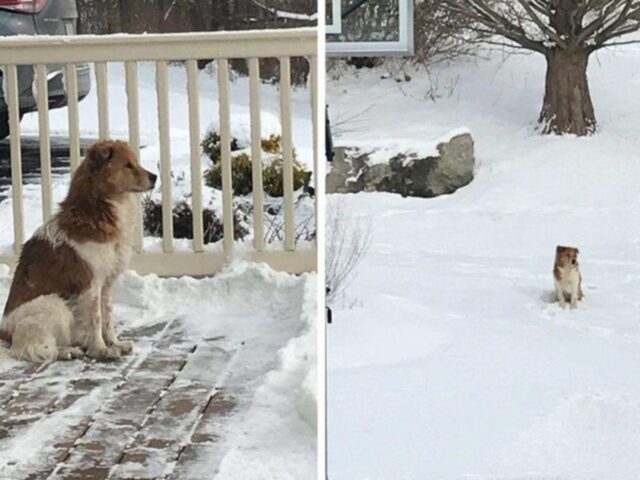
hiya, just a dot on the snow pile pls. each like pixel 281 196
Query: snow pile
pixel 266 317
pixel 287 395
pixel 447 358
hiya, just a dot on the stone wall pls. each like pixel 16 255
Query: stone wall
pixel 406 173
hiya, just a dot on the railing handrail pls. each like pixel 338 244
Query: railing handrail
pixel 29 50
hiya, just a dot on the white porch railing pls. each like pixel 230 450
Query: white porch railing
pixel 162 48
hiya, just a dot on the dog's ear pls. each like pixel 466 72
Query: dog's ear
pixel 100 154
pixel 559 249
pixel 577 250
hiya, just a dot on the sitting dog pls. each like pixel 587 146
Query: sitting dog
pixel 60 301
pixel 566 272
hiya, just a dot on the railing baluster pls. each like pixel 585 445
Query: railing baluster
pixel 11 96
pixel 287 152
pixel 71 86
pixel 103 100
pixel 75 52
pixel 42 99
pixel 162 90
pixel 193 89
pixel 131 73
pixel 256 155
pixel 225 153
pixel 313 63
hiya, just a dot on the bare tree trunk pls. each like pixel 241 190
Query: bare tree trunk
pixel 567 106
pixel 91 17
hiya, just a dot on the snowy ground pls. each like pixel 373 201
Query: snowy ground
pixel 447 359
pixel 221 385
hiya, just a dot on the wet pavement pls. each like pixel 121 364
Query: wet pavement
pixel 31 160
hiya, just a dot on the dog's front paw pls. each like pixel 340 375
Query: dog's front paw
pixel 70 353
pixel 125 347
pixel 104 354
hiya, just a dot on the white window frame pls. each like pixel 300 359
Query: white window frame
pixel 403 47
pixel 336 18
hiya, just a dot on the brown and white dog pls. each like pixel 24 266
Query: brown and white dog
pixel 60 301
pixel 568 280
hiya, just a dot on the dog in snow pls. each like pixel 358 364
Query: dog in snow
pixel 60 301
pixel 566 273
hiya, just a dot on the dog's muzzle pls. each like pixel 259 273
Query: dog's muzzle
pixel 152 180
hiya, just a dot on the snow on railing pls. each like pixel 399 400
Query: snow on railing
pixel 161 49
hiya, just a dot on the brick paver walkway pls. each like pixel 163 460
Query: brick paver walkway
pixel 155 414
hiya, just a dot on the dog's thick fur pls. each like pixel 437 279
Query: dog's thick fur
pixel 60 304
pixel 566 273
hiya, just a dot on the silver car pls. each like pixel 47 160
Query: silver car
pixel 40 17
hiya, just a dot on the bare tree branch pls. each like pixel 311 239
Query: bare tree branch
pixel 545 29
pixel 480 13
pixel 541 25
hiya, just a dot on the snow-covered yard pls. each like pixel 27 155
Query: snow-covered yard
pixel 447 358
pixel 222 382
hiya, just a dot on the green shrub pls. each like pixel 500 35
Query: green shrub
pixel 273 180
pixel 242 180
pixel 240 175
pixel 241 167
pixel 272 145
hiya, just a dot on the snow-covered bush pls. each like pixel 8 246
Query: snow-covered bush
pixel 272 177
pixel 273 144
pixel 241 167
pixel 240 175
pixel 211 145
pixel 183 221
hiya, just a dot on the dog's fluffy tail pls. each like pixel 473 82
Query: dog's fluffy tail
pixel 38 328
